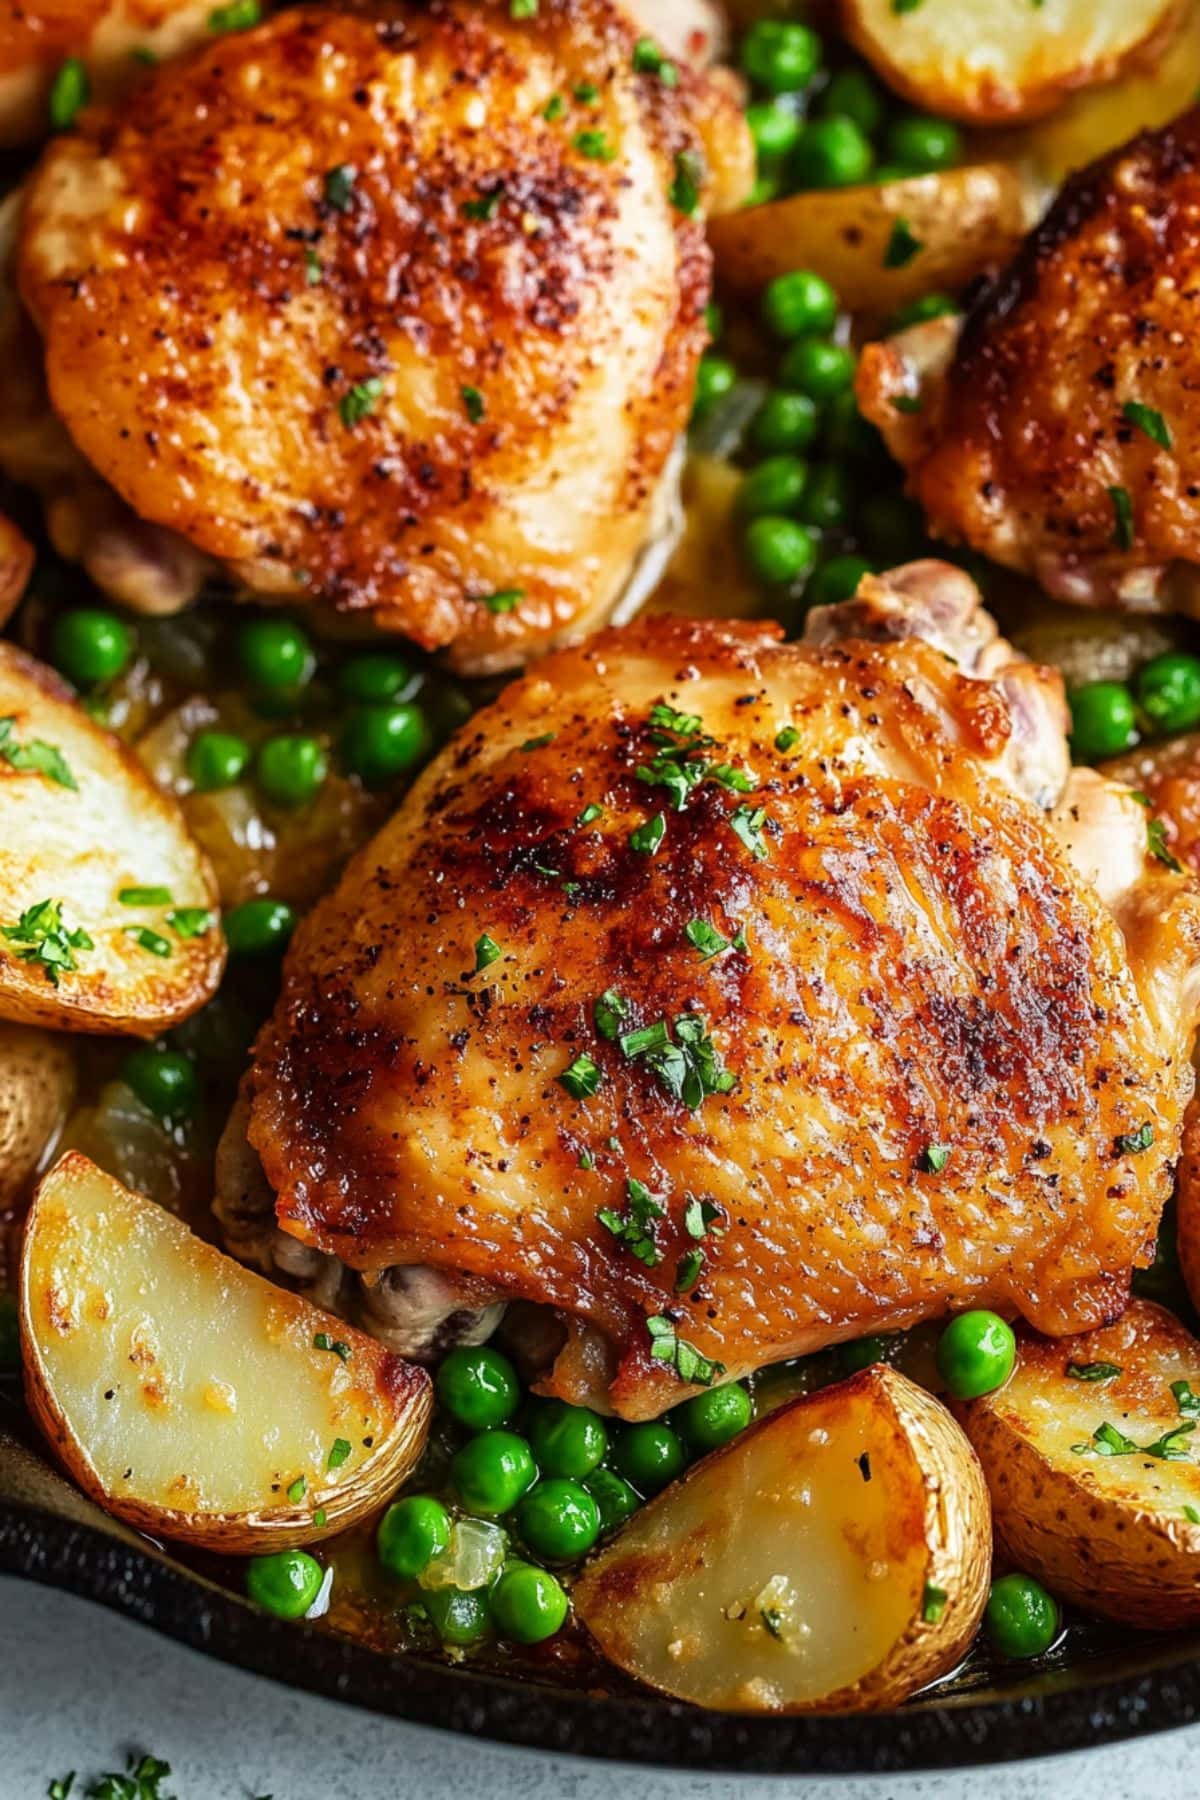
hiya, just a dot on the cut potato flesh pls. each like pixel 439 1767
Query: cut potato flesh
pixel 835 1557
pixel 861 239
pixel 82 823
pixel 1005 60
pixel 1092 1463
pixel 189 1396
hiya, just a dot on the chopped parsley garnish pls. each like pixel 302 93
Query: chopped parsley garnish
pixel 594 145
pixel 699 1216
pixel 1093 1371
pixel 668 1347
pixel 635 1227
pixel 313 272
pixel 709 941
pixel 40 936
pixel 239 15
pixel 1191 1515
pixel 609 1012
pixel 899 7
pixel 902 246
pixel 141 1781
pixel 190 921
pixel 151 941
pixel 587 1161
pixel 646 1037
pixel 581 1078
pixel 339 187
pixel 1156 845
pixel 645 839
pixel 1146 419
pixel 772 1620
pixel 933 1603
pixel 678 765
pixel 69 94
pixel 361 401
pixel 934 1158
pixel 685 189
pixel 1106 1440
pixel 323 1341
pixel 1187 1402
pixel 648 59
pixel 537 743
pixel 487 951
pixel 474 404
pixel 36 757
pixel 908 404
pixel 690 1068
pixel 60 1789
pixel 747 823
pixel 1131 1143
pixel 522 9
pixel 590 814
pixel 1122 507
pixel 554 108
pixel 667 718
pixel 586 92
pixel 297 1490
pixel 484 207
pixel 688 1270
pixel 785 739
pixel 339 1450
pixel 145 896
pixel 504 600
pixel 320 1518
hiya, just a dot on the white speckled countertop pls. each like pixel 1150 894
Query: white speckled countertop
pixel 78 1687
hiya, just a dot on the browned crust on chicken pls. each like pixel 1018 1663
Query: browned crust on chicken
pixel 923 967
pixel 1026 452
pixel 212 299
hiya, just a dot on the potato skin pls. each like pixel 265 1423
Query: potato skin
pixel 1105 1550
pixel 939 1497
pixel 934 60
pixel 966 220
pixel 37 1085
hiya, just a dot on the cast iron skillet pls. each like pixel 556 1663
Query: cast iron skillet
pixel 51 1534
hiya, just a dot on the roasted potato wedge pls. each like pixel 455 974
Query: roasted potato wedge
pixel 81 822
pixel 189 1396
pixel 1002 61
pixel 834 1558
pixel 37 1086
pixel 964 220
pixel 1095 1477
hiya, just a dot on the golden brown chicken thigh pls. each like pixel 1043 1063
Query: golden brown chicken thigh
pixel 390 306
pixel 730 997
pixel 1059 431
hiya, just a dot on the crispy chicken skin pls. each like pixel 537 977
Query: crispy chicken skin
pixel 113 37
pixel 915 964
pixel 338 303
pixel 1023 445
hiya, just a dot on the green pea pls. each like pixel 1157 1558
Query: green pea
pixel 853 95
pixel 774 128
pixel 291 768
pixel 919 312
pixel 1103 720
pixel 259 927
pixel 765 187
pixel 831 153
pixel 826 500
pixel 528 1604
pixel 411 1533
pixel 648 1456
pixel 479 1386
pixel 1020 1618
pixel 714 378
pixel 783 423
pixel 817 367
pixel 975 1354
pixel 710 1419
pixel 90 645
pixel 836 579
pixel 10 1335
pixel 567 1440
pixel 848 434
pixel 275 654
pixel 614 1497
pixel 286 1583
pixel 892 528
pixel 216 759
pixel 163 1080
pixel 378 743
pixel 781 55
pixel 778 550
pixel 492 1471
pixel 924 144
pixel 714 320
pixel 559 1520
pixel 1168 691
pixel 376 677
pixel 799 304
pixel 458 1618
pixel 776 486
pixel 69 93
